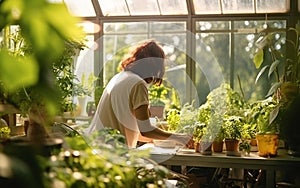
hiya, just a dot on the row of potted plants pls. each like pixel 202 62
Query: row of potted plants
pixel 225 117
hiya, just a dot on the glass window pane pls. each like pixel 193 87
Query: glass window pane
pixel 212 62
pixel 174 46
pixel 115 47
pixel 244 48
pixel 81 8
pixel 169 7
pixel 213 52
pixel 129 28
pixel 258 25
pixel 170 27
pixel 145 7
pixel 89 27
pixel 271 6
pixel 207 6
pixel 117 42
pixel 113 8
pixel 237 6
pixel 212 25
pixel 84 63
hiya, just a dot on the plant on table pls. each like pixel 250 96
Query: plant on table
pixel 233 127
pixel 264 115
pixel 284 66
pixel 184 120
pixel 222 103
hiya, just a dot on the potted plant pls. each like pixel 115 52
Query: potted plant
pixel 233 133
pixel 218 142
pixel 264 114
pixel 207 140
pixel 157 97
pixel 67 81
pixel 198 133
pixel 214 122
pixel 222 102
pixel 84 90
pixel 285 89
pixel 184 120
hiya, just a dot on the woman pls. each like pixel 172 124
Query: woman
pixel 124 104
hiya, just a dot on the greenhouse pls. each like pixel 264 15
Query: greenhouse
pixel 132 93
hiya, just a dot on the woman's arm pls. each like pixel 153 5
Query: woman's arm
pixel 152 132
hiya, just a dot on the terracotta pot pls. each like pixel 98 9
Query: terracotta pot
pixel 232 145
pixel 203 148
pixel 267 144
pixel 218 146
pixel 197 147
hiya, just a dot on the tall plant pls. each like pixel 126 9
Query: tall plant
pixel 45 27
pixel 284 65
pixel 63 69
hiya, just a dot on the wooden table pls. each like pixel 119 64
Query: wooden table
pixel 185 157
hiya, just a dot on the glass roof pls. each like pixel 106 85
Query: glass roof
pixel 105 8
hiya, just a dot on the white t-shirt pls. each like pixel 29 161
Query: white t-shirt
pixel 124 93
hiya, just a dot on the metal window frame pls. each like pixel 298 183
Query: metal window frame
pixel 291 17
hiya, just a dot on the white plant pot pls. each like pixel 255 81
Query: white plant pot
pixel 82 102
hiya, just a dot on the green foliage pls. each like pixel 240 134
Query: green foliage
pixel 225 101
pixel 86 86
pixel 103 163
pixel 264 115
pixel 233 127
pixel 173 119
pixel 249 130
pixel 63 70
pixel 221 110
pixel 157 95
pixel 245 146
pixel 284 66
pixel 183 121
pixel 4 133
pixel 221 116
pixel 30 74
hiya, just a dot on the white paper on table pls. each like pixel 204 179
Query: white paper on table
pixel 159 150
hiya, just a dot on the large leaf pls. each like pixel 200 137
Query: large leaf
pixel 273 89
pixel 258 58
pixel 16 73
pixel 274 114
pixel 57 16
pixel 273 67
pixel 260 73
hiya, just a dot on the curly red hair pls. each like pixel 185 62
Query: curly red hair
pixel 147 61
